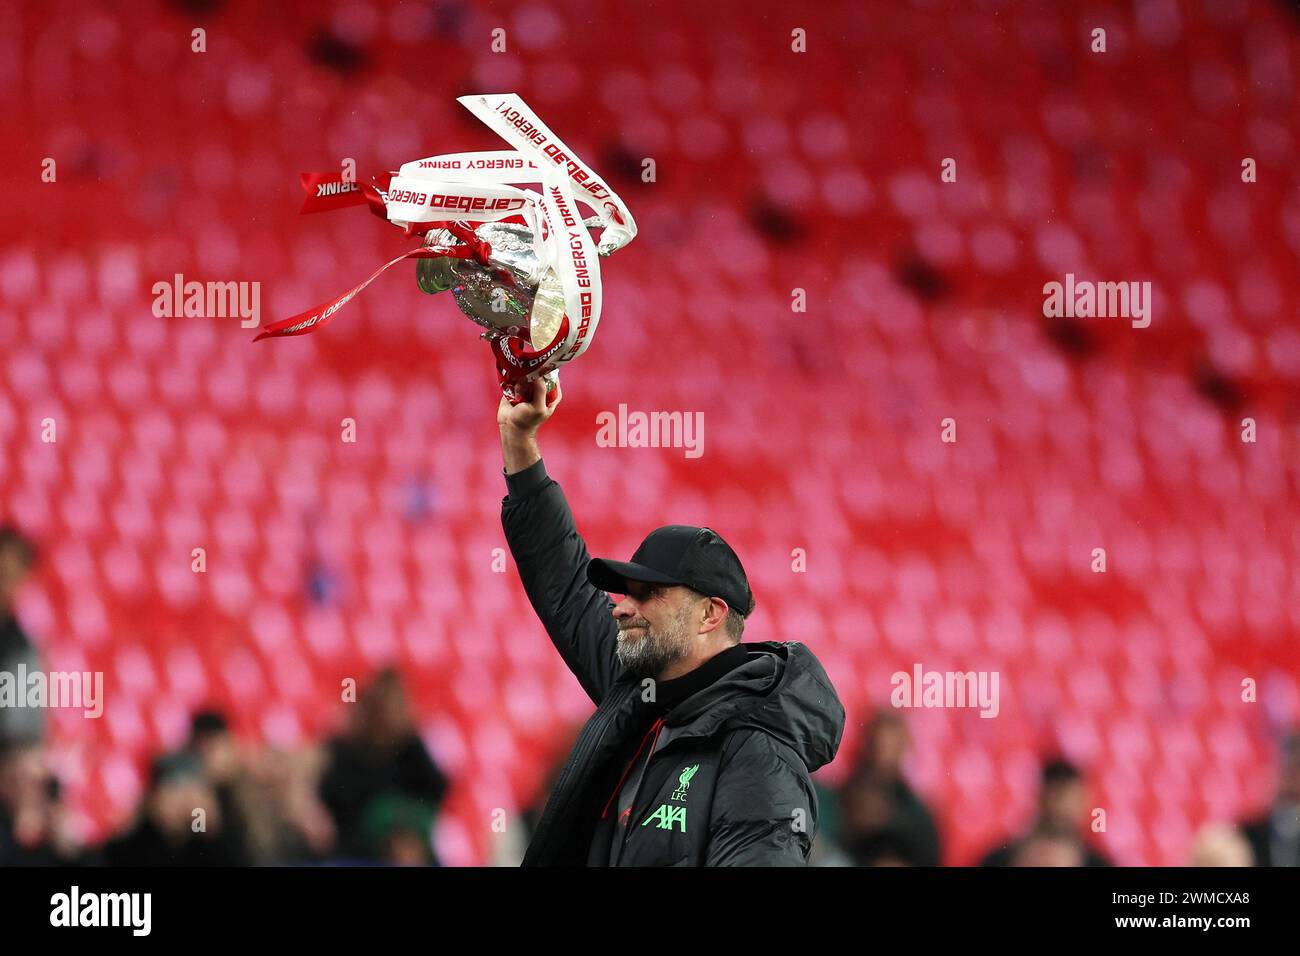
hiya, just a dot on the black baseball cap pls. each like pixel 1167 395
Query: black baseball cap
pixel 680 554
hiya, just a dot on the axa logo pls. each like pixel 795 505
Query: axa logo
pixel 668 817
pixel 684 782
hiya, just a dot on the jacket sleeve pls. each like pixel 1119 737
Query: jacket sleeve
pixel 764 807
pixel 552 561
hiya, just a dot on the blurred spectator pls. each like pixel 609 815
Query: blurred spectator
pixel 165 832
pixel 1220 845
pixel 287 822
pixel 34 825
pixel 1062 816
pixel 213 745
pixel 379 756
pixel 224 770
pixel 17 555
pixel 882 821
pixel 397 829
pixel 1045 848
pixel 1275 836
pixel 887 848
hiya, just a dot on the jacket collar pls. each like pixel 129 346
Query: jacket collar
pixel 739 690
pixel 673 692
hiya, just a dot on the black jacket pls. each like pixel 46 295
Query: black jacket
pixel 721 779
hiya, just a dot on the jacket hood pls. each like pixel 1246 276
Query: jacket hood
pixel 781 689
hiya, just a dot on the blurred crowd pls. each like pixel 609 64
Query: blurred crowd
pixel 371 794
pixel 877 819
pixel 367 796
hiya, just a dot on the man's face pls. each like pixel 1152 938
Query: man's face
pixel 1043 850
pixel 1064 804
pixel 653 627
pixel 219 755
pixel 888 744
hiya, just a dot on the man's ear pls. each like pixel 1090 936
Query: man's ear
pixel 714 614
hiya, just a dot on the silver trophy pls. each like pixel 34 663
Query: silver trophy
pixel 519 262
pixel 515 294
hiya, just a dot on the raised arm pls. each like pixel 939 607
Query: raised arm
pixel 550 554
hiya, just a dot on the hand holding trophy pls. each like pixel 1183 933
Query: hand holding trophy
pixel 528 273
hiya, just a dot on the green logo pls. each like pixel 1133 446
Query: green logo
pixel 684 782
pixel 667 816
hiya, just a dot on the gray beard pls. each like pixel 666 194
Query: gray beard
pixel 656 651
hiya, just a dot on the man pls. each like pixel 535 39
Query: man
pixel 701 748
pixel 1062 815
pixel 223 769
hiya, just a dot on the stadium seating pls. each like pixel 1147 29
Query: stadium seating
pixel 327 560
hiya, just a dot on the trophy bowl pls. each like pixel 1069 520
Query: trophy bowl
pixel 513 294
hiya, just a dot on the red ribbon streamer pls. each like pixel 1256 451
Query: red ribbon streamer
pixel 516 358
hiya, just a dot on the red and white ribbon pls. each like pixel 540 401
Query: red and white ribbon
pixel 444 192
pixel 512 120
